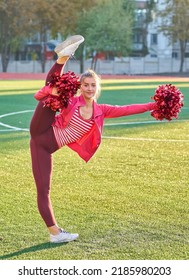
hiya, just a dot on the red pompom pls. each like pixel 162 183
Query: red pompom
pixel 169 101
pixel 67 86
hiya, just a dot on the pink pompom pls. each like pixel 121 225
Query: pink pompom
pixel 67 86
pixel 169 101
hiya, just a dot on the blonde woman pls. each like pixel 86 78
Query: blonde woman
pixel 78 126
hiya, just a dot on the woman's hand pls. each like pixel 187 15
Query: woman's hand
pixel 54 91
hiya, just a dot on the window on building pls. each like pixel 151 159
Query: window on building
pixel 140 17
pixel 154 39
pixel 174 54
pixel 137 37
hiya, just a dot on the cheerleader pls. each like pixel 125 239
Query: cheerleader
pixel 78 125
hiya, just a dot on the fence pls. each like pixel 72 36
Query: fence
pixel 127 66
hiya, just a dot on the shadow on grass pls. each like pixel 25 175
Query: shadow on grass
pixel 39 247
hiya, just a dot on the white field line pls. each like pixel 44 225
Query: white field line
pixel 15 113
pixel 13 128
pixel 144 139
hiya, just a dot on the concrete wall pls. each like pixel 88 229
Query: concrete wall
pixel 128 66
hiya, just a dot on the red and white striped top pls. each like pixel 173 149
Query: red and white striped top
pixel 76 128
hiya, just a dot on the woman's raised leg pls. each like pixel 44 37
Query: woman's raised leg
pixel 42 145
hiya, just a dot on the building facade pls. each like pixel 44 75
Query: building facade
pixel 158 45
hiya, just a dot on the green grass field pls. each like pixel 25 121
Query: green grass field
pixel 129 202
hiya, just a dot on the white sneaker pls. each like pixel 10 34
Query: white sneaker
pixel 63 236
pixel 69 46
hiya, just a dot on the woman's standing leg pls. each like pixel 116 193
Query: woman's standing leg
pixel 42 172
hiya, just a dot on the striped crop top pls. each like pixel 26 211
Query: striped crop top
pixel 76 128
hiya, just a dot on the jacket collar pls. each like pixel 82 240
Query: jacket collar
pixel 96 109
pixel 81 100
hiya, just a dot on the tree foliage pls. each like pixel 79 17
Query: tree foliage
pixel 107 27
pixel 105 24
pixel 20 19
pixel 175 23
pixel 13 26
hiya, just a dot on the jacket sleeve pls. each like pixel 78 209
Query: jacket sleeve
pixel 44 91
pixel 112 111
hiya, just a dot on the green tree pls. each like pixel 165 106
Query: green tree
pixel 46 16
pixel 20 19
pixel 53 17
pixel 107 27
pixel 13 27
pixel 175 24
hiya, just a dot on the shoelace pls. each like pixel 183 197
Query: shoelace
pixel 63 231
pixel 72 57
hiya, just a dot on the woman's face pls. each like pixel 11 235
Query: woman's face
pixel 88 88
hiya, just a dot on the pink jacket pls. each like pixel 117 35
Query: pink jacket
pixel 89 143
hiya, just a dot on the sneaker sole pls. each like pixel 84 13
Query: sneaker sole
pixel 76 39
pixel 64 240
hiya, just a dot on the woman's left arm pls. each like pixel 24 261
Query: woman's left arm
pixel 114 111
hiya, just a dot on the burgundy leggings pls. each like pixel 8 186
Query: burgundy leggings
pixel 42 145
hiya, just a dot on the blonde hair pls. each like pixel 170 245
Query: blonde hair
pixel 91 74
